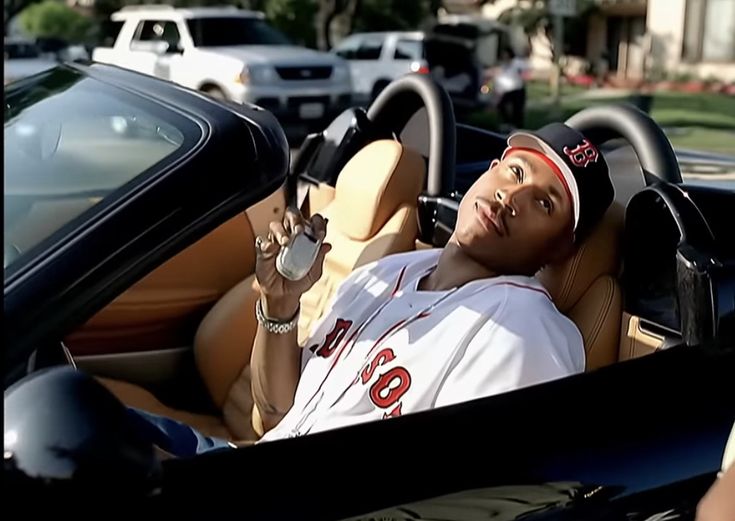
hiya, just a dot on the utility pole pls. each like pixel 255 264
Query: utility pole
pixel 559 9
pixel 558 50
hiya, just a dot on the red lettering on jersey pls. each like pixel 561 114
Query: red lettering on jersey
pixel 396 412
pixel 389 388
pixel 383 357
pixel 583 154
pixel 334 337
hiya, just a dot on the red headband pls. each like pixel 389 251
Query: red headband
pixel 554 167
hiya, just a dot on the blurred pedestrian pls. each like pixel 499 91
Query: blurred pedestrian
pixel 510 90
pixel 602 68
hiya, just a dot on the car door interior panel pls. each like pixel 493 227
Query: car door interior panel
pixel 162 310
pixel 263 212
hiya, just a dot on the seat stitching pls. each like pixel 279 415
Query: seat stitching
pixel 607 304
pixel 567 288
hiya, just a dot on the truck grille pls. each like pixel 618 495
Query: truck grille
pixel 321 72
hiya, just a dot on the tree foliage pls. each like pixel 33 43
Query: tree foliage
pixel 317 22
pixel 53 19
pixel 538 18
pixel 12 8
pixel 314 23
pixel 295 18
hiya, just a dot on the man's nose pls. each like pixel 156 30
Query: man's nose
pixel 513 197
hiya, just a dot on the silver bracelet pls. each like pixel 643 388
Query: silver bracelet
pixel 279 327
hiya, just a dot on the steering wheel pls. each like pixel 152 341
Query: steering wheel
pixel 649 142
pixel 399 101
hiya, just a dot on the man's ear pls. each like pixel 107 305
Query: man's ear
pixel 494 163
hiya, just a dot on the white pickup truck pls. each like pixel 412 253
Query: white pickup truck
pixel 231 54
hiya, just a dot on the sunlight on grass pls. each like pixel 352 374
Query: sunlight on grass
pixel 697 138
pixel 703 121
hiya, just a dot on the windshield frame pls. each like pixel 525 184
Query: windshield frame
pixel 193 134
pixel 196 25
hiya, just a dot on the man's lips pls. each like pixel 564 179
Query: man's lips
pixel 491 217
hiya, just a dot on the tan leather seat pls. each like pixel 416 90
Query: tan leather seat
pixel 586 289
pixel 373 214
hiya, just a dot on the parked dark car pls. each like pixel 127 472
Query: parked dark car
pixel 125 251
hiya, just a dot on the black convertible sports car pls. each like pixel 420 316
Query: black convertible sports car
pixel 131 206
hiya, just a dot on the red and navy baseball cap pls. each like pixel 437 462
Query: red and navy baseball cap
pixel 578 164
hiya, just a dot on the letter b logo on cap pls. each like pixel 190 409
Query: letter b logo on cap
pixel 583 154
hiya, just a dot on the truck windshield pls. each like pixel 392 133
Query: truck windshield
pixel 228 31
pixel 19 51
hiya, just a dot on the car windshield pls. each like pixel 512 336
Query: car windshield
pixel 233 30
pixel 70 141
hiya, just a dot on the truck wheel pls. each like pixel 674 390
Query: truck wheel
pixel 378 88
pixel 214 92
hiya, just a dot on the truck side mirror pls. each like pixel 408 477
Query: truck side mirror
pixel 156 47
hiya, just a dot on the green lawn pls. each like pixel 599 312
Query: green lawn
pixel 707 121
pixel 676 109
pixel 698 138
pixel 537 90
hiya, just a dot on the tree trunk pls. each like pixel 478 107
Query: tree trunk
pixel 325 15
pixel 329 11
pixel 353 6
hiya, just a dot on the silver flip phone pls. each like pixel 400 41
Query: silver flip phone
pixel 296 258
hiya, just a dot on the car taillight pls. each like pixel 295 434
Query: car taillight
pixel 419 67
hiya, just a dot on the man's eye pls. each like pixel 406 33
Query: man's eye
pixel 518 172
pixel 545 204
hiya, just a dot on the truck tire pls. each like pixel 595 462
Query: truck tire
pixel 214 92
pixel 378 88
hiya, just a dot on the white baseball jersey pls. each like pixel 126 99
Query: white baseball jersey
pixel 385 349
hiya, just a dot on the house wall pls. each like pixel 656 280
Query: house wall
pixel 660 47
pixel 666 29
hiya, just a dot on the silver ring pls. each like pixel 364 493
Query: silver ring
pixel 259 243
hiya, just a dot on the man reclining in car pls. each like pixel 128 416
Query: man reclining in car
pixel 432 327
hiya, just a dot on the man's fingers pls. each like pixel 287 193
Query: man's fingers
pixel 279 233
pixel 293 221
pixel 266 248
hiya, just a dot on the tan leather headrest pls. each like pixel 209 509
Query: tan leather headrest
pixel 598 255
pixel 373 184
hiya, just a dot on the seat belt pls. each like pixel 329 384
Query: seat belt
pixel 302 197
pixel 296 189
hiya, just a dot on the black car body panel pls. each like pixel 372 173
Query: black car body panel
pixel 637 440
pixel 621 444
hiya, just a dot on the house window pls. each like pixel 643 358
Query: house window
pixel 709 31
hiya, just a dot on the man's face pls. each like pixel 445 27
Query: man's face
pixel 516 217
